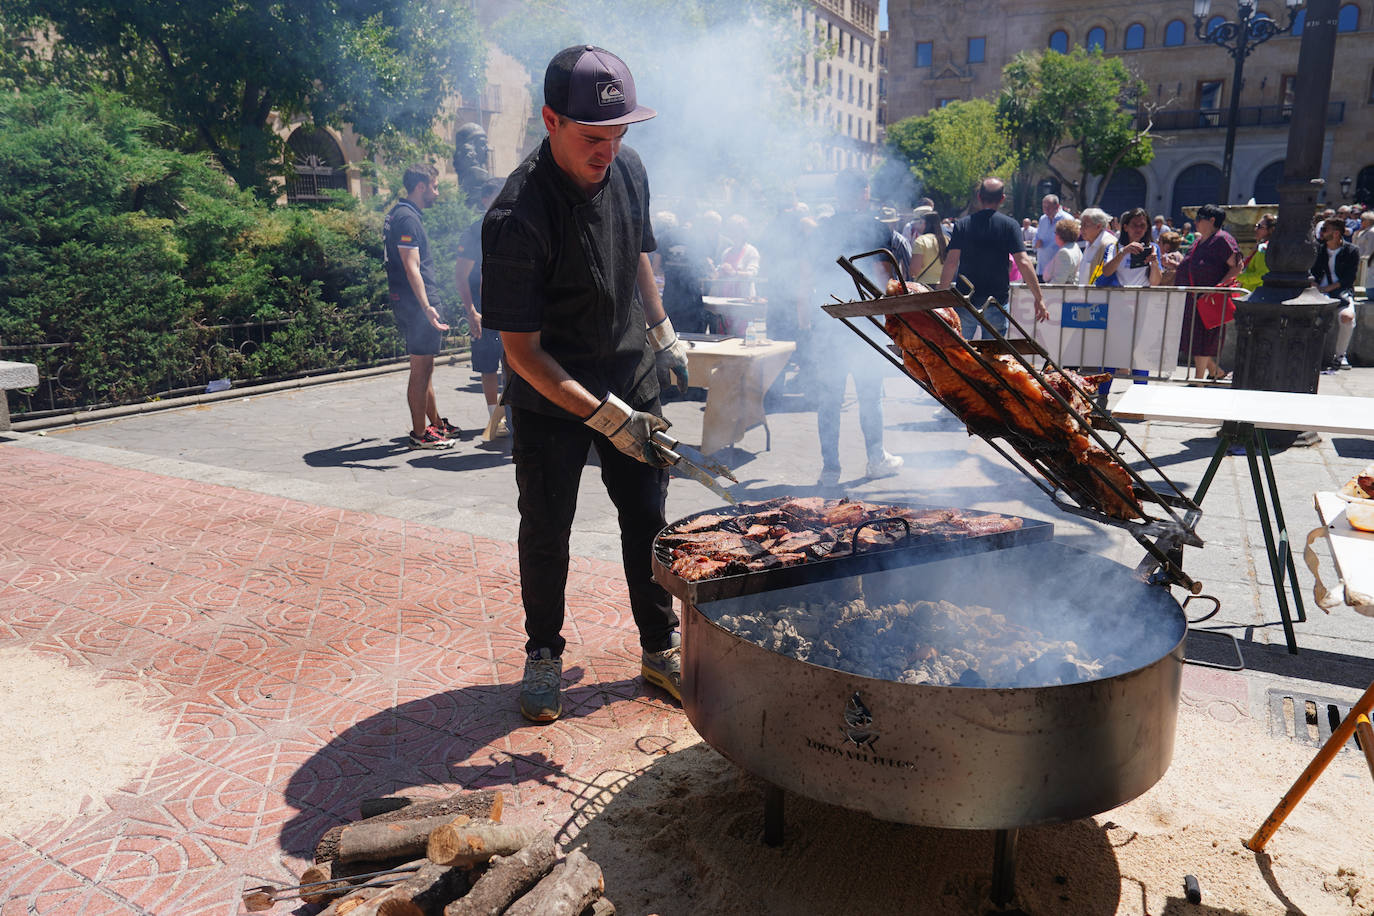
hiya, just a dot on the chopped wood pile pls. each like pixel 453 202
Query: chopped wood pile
pixel 442 857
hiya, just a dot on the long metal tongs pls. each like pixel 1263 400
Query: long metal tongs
pixel 695 465
pixel 261 898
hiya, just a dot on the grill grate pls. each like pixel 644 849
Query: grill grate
pixel 1306 718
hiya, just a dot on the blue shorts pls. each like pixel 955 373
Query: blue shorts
pixel 486 352
pixel 422 338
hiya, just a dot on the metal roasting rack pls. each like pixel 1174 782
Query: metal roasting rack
pixel 1170 517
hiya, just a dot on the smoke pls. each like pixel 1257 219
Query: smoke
pixel 734 117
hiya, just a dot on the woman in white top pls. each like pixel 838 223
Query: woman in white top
pixel 1064 266
pixel 1133 259
pixel 1094 232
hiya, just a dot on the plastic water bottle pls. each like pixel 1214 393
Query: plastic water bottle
pixel 751 334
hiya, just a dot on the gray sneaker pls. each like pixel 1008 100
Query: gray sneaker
pixel 664 669
pixel 540 700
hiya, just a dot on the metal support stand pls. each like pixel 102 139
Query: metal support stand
pixel 1276 544
pixel 772 815
pixel 1004 867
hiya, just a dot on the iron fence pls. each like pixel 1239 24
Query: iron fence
pixel 213 352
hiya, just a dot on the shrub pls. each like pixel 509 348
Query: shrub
pixel 130 258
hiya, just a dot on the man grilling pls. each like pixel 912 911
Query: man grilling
pixel 566 279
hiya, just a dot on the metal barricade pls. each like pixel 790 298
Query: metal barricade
pixel 1133 329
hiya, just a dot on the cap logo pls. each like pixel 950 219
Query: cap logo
pixel 610 93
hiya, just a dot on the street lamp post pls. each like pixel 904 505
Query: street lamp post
pixel 1281 327
pixel 1250 29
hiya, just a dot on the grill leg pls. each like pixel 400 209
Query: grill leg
pixel 1004 868
pixel 772 815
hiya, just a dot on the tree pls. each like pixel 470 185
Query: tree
pixel 951 149
pixel 1078 108
pixel 216 71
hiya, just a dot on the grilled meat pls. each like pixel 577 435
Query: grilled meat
pixel 1002 399
pixel 791 531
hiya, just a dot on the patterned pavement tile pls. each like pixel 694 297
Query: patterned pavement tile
pixel 303 659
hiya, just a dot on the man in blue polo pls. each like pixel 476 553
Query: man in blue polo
pixel 415 303
pixel 566 279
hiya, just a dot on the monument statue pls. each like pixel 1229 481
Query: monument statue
pixel 470 158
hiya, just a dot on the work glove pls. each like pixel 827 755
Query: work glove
pixel 670 355
pixel 629 430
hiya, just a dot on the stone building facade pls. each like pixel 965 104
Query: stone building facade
pixel 938 52
pixel 844 87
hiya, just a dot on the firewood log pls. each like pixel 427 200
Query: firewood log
pixel 600 907
pixel 371 807
pixel 350 903
pixel 506 879
pixel 424 894
pixel 469 844
pixel 368 841
pixel 565 891
pixel 486 803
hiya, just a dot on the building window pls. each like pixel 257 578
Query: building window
pixel 851 89
pixel 1288 88
pixel 1097 39
pixel 1059 41
pixel 816 72
pixel 977 50
pixel 1209 93
pixel 925 51
pixel 841 42
pixel 1371 86
pixel 1299 21
pixel 1349 18
pixel 1175 33
pixel 317 166
pixel 849 125
pixel 1135 37
pixel 943 102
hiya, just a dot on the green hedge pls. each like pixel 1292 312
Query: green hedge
pixel 132 255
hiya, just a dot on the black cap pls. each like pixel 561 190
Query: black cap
pixel 591 85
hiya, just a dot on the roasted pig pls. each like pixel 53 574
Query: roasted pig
pixel 1002 399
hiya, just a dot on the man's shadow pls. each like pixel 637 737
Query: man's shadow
pixel 437 744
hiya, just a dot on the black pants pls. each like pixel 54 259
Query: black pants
pixel 550 454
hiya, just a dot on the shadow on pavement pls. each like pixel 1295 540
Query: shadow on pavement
pixel 357 454
pixel 438 743
pixel 1353 448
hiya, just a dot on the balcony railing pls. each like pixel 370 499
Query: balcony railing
pixel 1169 120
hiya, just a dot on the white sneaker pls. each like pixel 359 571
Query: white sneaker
pixel 889 466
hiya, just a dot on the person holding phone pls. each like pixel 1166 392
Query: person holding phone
pixel 1134 258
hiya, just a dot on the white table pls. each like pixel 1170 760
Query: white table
pixel 1244 416
pixel 736 375
pixel 1352 550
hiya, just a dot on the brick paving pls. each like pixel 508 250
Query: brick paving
pixel 304 658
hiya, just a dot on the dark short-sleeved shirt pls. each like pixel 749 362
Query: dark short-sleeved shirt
pixel 1208 260
pixel 403 228
pixel 984 240
pixel 557 262
pixel 470 249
